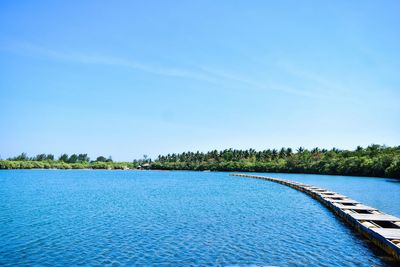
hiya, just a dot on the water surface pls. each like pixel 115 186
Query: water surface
pixel 380 193
pixel 126 218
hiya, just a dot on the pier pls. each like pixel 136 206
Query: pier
pixel 381 229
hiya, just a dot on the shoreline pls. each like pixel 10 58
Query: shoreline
pixel 178 170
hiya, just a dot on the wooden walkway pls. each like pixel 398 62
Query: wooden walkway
pixel 382 229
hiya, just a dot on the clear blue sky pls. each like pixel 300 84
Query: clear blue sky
pixel 127 78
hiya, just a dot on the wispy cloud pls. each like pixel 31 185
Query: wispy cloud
pixel 323 85
pixel 83 58
pixel 200 73
pixel 257 85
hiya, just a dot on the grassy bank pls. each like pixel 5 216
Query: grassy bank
pixel 16 164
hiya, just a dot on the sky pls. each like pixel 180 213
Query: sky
pixel 128 78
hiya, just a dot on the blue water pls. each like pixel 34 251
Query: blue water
pixel 380 193
pixel 125 218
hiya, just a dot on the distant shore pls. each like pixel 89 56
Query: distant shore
pixel 372 161
pixel 121 166
pixel 14 164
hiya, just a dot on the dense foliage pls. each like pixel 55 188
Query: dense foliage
pixel 375 160
pixel 74 161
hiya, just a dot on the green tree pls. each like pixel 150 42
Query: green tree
pixel 73 158
pixel 40 157
pixel 21 157
pixel 83 158
pixel 63 158
pixel 101 159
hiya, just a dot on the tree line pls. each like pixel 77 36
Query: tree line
pixel 65 161
pixel 74 158
pixel 374 160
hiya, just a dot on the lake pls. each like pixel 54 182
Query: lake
pixel 160 218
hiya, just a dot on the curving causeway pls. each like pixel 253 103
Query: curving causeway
pixel 382 229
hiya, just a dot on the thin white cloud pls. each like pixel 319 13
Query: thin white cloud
pixel 200 73
pixel 329 88
pixel 258 85
pixel 106 60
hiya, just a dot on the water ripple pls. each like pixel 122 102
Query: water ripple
pixel 115 218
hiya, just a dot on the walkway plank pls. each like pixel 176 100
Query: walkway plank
pixel 375 217
pixel 388 233
pixel 356 207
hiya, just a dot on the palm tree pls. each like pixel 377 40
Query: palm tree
pixel 315 150
pixel 282 153
pixel 274 153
